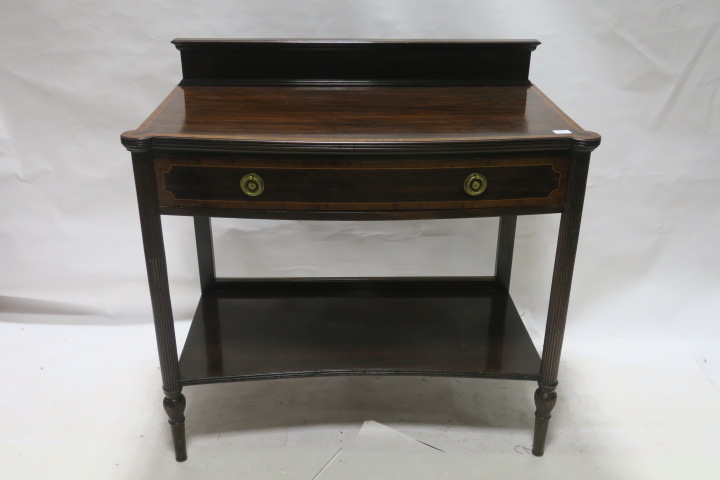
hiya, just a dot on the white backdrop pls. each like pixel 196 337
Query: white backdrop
pixel 644 74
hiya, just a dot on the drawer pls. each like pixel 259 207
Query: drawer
pixel 351 184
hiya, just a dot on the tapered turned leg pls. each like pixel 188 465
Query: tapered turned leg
pixel 175 408
pixel 545 398
pixel 151 225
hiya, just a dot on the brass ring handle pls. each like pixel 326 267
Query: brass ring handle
pixel 252 184
pixel 475 184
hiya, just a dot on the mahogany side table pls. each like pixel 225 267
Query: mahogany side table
pixel 357 130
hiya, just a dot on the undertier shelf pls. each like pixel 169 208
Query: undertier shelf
pixel 281 328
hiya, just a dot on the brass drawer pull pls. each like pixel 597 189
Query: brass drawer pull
pixel 475 184
pixel 252 184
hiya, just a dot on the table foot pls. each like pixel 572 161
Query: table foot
pixel 174 405
pixel 545 398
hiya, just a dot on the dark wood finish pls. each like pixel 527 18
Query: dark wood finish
pixel 357 118
pixel 357 130
pixel 157 271
pixel 312 327
pixel 357 214
pixel 174 406
pixel 545 396
pixel 151 226
pixel 503 269
pixel 342 183
pixel 505 247
pixel 205 252
pixel 355 62
pixel 545 399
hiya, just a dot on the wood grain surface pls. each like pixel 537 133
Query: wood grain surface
pixel 246 330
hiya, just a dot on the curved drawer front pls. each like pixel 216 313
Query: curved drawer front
pixel 351 185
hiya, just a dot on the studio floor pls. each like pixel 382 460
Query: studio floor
pixel 82 399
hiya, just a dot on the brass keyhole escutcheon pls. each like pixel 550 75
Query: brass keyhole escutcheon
pixel 252 184
pixel 475 184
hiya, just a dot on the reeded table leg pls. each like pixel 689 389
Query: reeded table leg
pixel 545 396
pixel 151 225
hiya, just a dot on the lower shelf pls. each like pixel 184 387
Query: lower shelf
pixel 261 329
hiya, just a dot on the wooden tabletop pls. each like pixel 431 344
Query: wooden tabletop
pixel 356 115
